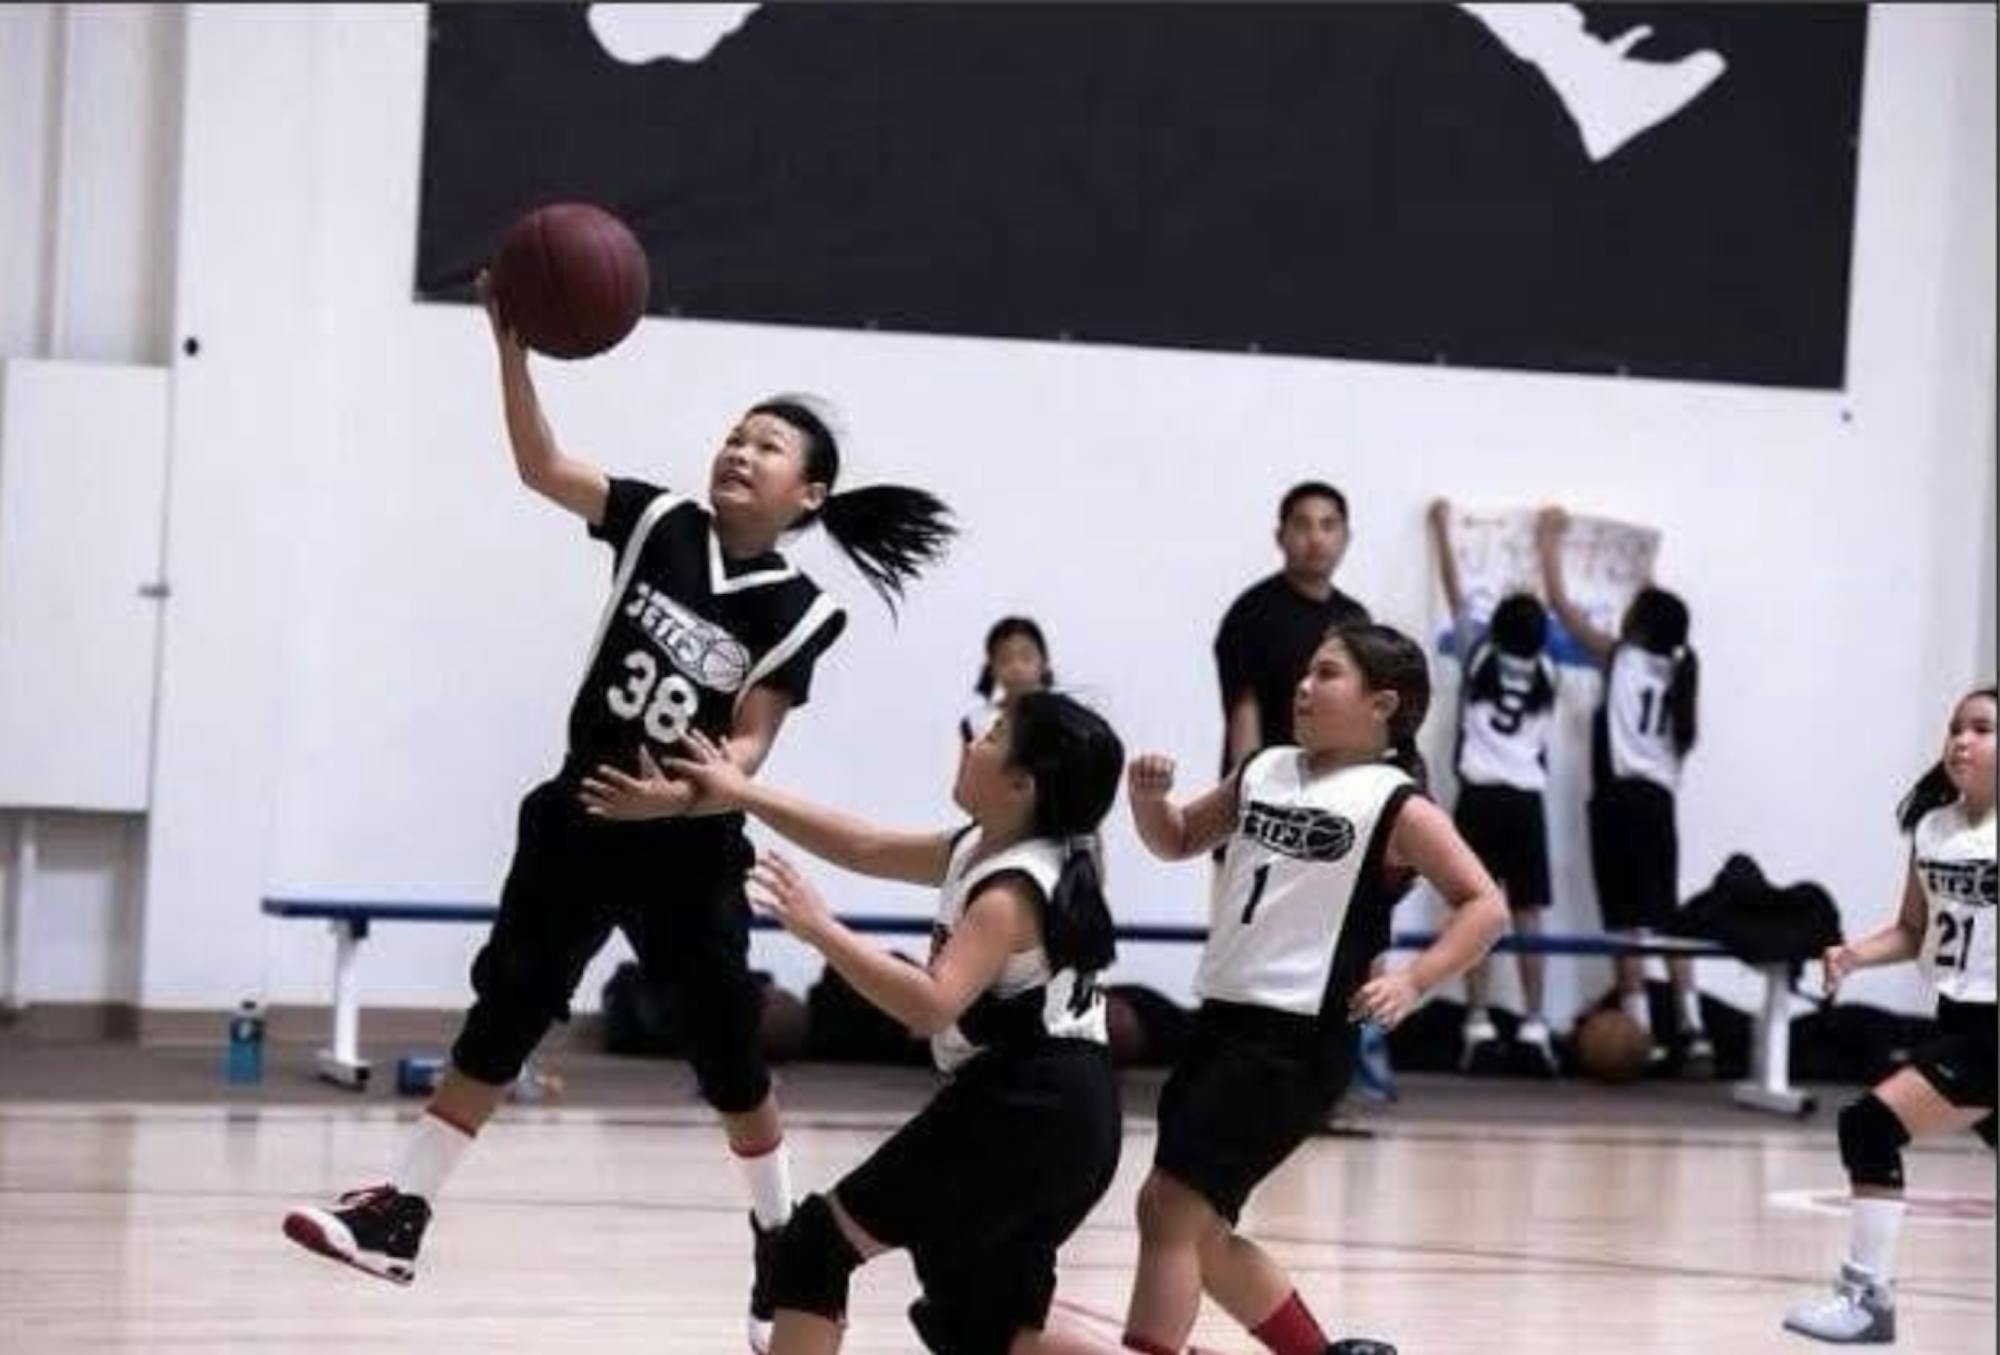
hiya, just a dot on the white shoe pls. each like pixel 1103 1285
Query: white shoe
pixel 1480 1039
pixel 1861 1312
pixel 1533 1036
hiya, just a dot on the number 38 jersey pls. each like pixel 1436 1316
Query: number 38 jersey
pixel 686 634
pixel 1302 903
pixel 1954 861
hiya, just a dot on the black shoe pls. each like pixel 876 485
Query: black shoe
pixel 763 1307
pixel 377 1230
pixel 1360 1345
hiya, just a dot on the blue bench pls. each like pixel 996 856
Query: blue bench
pixel 1768 1087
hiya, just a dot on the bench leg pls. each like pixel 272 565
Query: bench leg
pixel 1770 1085
pixel 342 1064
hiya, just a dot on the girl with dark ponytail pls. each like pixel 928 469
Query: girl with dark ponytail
pixel 1002 1166
pixel 1323 836
pixel 708 632
pixel 1643 732
pixel 1016 661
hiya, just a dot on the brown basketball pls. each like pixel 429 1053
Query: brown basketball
pixel 1611 1047
pixel 571 279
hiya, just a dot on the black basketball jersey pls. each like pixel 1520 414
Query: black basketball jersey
pixel 687 634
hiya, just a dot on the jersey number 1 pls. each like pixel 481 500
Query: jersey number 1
pixel 1258 879
pixel 668 706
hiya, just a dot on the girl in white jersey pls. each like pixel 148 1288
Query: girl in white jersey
pixel 998 1170
pixel 1017 660
pixel 1643 733
pixel 1946 924
pixel 1322 838
pixel 1506 711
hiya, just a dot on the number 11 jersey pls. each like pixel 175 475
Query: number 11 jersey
pixel 686 634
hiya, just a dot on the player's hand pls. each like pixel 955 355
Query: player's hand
pixel 777 887
pixel 1837 962
pixel 1150 776
pixel 720 783
pixel 608 793
pixel 503 333
pixel 1385 1000
pixel 1550 524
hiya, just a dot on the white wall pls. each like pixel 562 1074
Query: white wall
pixel 89 111
pixel 374 630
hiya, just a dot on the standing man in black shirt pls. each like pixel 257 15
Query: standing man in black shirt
pixel 1269 633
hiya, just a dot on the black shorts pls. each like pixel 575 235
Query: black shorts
pixel 1960 1059
pixel 1508 831
pixel 1635 854
pixel 674 888
pixel 1253 1085
pixel 987 1182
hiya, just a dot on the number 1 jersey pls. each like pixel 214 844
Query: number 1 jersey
pixel 686 634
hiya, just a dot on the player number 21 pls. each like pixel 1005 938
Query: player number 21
pixel 668 705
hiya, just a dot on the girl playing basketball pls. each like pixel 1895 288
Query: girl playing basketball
pixel 708 630
pixel 1643 732
pixel 1323 837
pixel 998 1170
pixel 1946 923
pixel 1017 660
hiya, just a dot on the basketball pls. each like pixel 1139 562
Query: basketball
pixel 1610 1046
pixel 571 279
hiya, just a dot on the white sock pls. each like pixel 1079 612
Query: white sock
pixel 768 1178
pixel 1476 1016
pixel 430 1155
pixel 1690 1009
pixel 1877 1224
pixel 1635 1006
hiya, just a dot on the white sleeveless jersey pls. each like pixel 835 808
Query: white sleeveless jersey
pixel 1503 740
pixel 1638 734
pixel 1027 1003
pixel 1955 865
pixel 1303 852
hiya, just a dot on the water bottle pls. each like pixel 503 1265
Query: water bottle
pixel 245 1063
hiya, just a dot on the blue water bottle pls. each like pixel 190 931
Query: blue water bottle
pixel 245 1063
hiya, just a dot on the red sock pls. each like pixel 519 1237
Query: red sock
pixel 1133 1341
pixel 1291 1330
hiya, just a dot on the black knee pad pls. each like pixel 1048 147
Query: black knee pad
pixel 1988 1128
pixel 733 1083
pixel 1871 1143
pixel 815 1260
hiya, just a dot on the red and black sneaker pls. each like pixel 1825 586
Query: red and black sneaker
pixel 377 1230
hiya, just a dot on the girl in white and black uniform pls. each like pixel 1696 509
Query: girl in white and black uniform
pixel 1946 924
pixel 1643 732
pixel 709 631
pixel 1017 660
pixel 1322 839
pixel 1001 1167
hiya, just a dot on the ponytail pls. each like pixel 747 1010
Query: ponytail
pixel 889 532
pixel 1682 691
pixel 1077 930
pixel 1403 753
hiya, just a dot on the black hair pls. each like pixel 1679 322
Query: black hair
pixel 1008 628
pixel 1310 489
pixel 1934 789
pixel 1075 759
pixel 889 532
pixel 1519 629
pixel 1657 621
pixel 1391 661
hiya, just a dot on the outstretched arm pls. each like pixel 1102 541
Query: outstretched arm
pixel 1454 596
pixel 577 485
pixel 997 922
pixel 1550 525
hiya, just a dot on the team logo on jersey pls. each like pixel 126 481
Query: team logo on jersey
pixel 1975 883
pixel 701 649
pixel 1304 833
